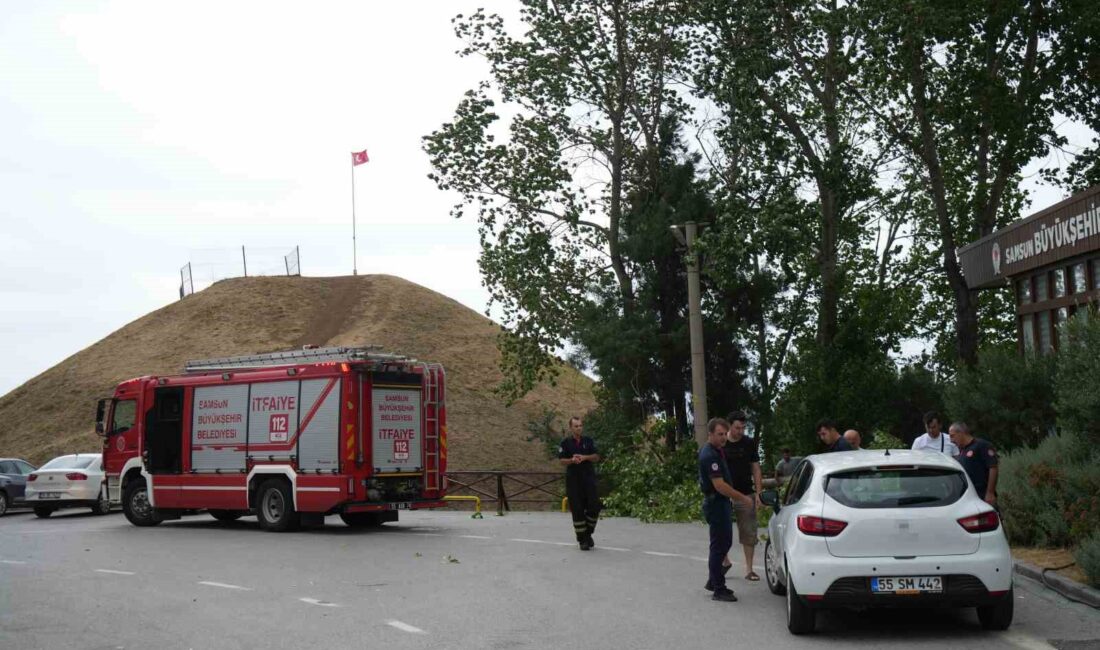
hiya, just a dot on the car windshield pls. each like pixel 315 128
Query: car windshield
pixel 901 487
pixel 69 462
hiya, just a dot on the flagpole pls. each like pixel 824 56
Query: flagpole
pixel 354 250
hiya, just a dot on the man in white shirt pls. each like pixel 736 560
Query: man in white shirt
pixel 935 439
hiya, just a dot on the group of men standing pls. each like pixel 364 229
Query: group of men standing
pixel 977 456
pixel 730 478
pixel 731 481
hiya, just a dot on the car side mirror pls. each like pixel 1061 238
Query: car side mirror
pixel 100 413
pixel 770 498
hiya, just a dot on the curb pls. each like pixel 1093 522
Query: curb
pixel 1059 584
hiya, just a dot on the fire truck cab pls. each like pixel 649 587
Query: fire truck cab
pixel 288 436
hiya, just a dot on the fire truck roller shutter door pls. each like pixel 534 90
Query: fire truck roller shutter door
pixel 318 445
pixel 396 421
pixel 218 428
pixel 273 419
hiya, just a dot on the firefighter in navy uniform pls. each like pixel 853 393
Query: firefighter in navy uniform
pixel 578 454
pixel 715 482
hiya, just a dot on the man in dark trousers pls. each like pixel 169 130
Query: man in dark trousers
pixel 578 453
pixel 979 459
pixel 714 481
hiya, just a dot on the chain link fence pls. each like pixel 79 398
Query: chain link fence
pixel 210 265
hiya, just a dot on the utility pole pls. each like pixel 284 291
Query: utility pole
pixel 695 326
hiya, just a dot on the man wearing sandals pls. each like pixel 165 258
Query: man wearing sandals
pixel 744 463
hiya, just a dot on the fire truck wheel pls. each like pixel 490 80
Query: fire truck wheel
pixel 136 506
pixel 43 513
pixel 275 507
pixel 360 519
pixel 225 515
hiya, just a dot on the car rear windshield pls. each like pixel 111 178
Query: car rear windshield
pixel 69 462
pixel 902 487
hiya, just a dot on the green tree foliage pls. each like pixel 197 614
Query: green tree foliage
pixel 587 88
pixel 836 154
pixel 1007 399
pixel 1077 383
pixel 916 391
pixel 967 91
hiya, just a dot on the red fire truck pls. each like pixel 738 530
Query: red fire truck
pixel 288 436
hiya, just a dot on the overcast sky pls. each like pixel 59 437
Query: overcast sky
pixel 139 136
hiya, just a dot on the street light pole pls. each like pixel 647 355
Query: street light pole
pixel 695 327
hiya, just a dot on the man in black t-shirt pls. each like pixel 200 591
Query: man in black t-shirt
pixel 830 437
pixel 979 459
pixel 578 453
pixel 744 463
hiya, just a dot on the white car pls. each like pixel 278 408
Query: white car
pixel 886 529
pixel 71 481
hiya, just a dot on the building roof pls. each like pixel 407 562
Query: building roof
pixel 1043 238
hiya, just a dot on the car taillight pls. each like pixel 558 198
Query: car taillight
pixel 982 523
pixel 76 476
pixel 32 478
pixel 820 527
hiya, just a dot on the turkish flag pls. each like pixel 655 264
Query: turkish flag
pixel 359 157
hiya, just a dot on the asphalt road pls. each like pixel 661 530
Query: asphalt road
pixel 433 580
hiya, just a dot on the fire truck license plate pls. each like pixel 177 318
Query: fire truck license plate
pixel 907 585
pixel 400 506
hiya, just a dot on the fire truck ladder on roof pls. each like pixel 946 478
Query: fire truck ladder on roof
pixel 295 357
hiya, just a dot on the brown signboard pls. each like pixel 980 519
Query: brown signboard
pixel 1062 231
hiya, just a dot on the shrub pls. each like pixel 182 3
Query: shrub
pixel 1046 493
pixel 883 440
pixel 1078 367
pixel 1088 558
pixel 1007 399
pixel 652 486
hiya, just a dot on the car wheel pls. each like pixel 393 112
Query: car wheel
pixel 225 515
pixel 5 502
pixel 136 506
pixel 275 507
pixel 771 570
pixel 43 513
pixel 998 616
pixel 801 618
pixel 361 519
pixel 102 507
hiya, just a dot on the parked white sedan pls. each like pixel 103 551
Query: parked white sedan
pixel 886 529
pixel 71 481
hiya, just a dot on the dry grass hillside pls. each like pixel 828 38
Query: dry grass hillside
pixel 53 413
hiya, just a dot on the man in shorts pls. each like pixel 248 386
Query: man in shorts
pixel 744 464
